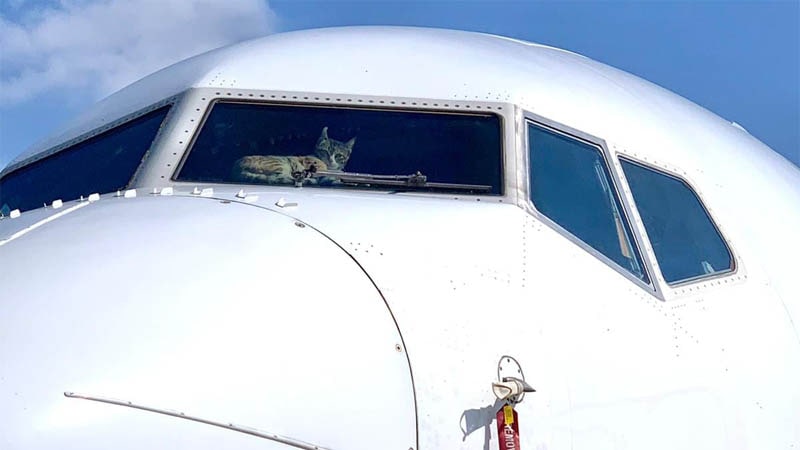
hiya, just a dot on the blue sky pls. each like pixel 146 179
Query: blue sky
pixel 739 59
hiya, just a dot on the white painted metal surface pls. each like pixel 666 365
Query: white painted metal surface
pixel 282 309
pixel 246 308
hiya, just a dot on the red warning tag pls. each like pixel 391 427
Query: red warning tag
pixel 508 428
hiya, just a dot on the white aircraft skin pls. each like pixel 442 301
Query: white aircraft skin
pixel 353 319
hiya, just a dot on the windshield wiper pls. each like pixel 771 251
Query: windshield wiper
pixel 413 181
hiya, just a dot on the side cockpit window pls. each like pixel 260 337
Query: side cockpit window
pixel 293 145
pixel 685 240
pixel 104 163
pixel 571 185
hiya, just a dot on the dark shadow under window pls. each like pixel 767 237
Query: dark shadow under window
pixel 271 144
pixel 104 163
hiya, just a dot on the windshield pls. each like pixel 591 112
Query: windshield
pixel 320 146
pixel 104 163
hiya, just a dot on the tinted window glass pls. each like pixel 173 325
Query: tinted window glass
pixel 685 240
pixel 104 163
pixel 279 144
pixel 570 184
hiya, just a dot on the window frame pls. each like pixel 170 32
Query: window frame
pixel 600 145
pixel 94 132
pixel 505 113
pixel 70 144
pixel 678 285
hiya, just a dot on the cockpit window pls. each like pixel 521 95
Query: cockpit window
pixel 347 147
pixel 104 163
pixel 571 185
pixel 686 242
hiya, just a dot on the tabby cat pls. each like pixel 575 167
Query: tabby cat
pixel 329 154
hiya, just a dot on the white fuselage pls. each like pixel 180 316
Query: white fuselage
pixel 374 319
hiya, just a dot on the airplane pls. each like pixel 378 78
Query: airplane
pixel 399 238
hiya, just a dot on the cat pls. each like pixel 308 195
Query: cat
pixel 329 154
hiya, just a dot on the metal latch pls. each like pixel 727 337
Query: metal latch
pixel 510 386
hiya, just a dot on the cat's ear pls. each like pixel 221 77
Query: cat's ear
pixel 349 144
pixel 324 143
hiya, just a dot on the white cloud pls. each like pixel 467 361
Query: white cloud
pixel 99 46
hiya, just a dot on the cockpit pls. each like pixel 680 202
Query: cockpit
pixel 490 152
pixel 401 213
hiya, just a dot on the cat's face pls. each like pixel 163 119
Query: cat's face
pixel 334 153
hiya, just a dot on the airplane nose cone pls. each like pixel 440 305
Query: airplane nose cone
pixel 221 310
